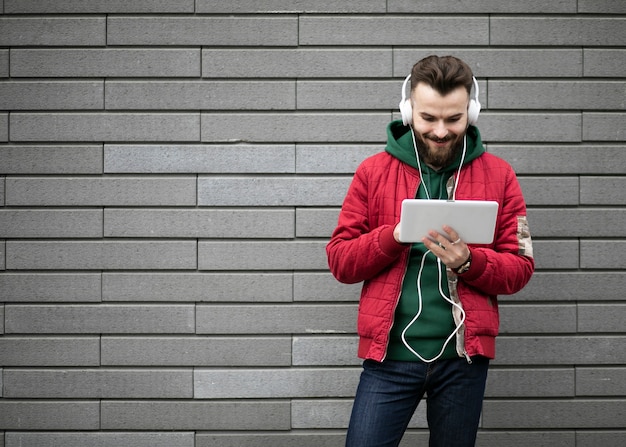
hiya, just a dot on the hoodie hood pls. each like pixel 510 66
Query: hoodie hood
pixel 400 145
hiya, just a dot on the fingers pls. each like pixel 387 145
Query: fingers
pixel 450 248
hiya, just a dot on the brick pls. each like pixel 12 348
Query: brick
pixel 332 159
pixel 602 254
pixel 602 190
pixel 196 415
pixel 97 6
pixel 327 414
pixel 4 127
pixel 273 319
pixel 481 6
pixel 49 351
pixel 272 255
pixel 601 381
pixel 274 383
pixel 561 254
pixel 271 191
pixel 4 63
pixel 50 223
pixel 569 159
pixel 101 191
pixel 323 287
pixel 95 318
pixel 329 95
pixel 99 439
pixel 550 190
pixel 101 255
pixel 530 382
pixel 603 62
pixel 52 95
pixel 97 383
pixel 530 127
pixel 541 318
pixel 573 286
pixel 79 159
pixel 326 350
pixel 579 222
pixel 560 350
pixel 392 30
pixel 201 223
pixel 604 126
pixel 553 413
pixel 601 317
pixel 194 95
pixel 197 287
pixel 222 159
pixel 52 31
pixel 109 127
pixel 2 255
pixel 601 6
pixel 312 222
pixel 105 62
pixel 299 127
pixel 49 415
pixel 494 62
pixel 306 439
pixel 546 95
pixel 606 438
pixel 296 63
pixel 196 351
pixel 522 438
pixel 286 6
pixel 554 31
pixel 205 31
pixel 50 287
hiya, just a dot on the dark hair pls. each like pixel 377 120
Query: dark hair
pixel 443 74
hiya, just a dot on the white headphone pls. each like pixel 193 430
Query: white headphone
pixel 473 110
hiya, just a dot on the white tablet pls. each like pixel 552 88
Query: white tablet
pixel 474 220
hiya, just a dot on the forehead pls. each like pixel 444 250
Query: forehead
pixel 428 100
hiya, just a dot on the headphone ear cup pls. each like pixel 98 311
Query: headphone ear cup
pixel 406 111
pixel 473 111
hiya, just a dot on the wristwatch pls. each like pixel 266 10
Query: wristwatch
pixel 464 267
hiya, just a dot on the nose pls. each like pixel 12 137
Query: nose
pixel 440 130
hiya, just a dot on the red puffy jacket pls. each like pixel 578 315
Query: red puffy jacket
pixel 362 248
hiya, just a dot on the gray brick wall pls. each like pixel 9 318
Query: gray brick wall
pixel 170 171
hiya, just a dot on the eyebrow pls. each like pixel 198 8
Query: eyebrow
pixel 455 116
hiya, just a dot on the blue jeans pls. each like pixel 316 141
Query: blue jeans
pixel 389 392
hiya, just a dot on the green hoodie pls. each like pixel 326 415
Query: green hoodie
pixel 429 332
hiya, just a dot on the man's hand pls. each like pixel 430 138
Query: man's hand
pixel 452 251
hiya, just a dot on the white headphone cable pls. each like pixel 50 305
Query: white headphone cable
pixel 419 311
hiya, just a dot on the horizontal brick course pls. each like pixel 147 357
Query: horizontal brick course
pixel 52 95
pixel 195 415
pixel 52 31
pixel 110 127
pixel 99 439
pixel 196 351
pixel 49 415
pixel 101 255
pixel 206 31
pixel 51 223
pixel 50 287
pixel 198 287
pixel 390 30
pixel 97 383
pixel 51 159
pixel 49 351
pixel 105 318
pixel 105 62
pixel 97 6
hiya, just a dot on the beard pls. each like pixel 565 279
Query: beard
pixel 438 157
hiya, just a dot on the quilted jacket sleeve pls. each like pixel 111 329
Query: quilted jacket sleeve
pixel 506 267
pixel 359 249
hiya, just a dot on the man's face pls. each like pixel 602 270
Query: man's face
pixel 439 123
